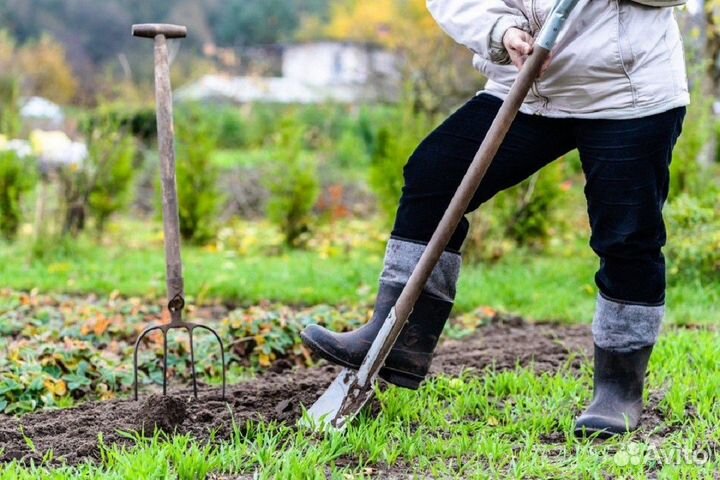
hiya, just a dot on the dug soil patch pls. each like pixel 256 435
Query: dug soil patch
pixel 72 434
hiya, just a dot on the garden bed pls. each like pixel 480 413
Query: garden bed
pixel 72 434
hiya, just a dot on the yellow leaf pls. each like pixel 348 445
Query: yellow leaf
pixel 14 355
pixel 101 325
pixel 264 360
pixel 56 387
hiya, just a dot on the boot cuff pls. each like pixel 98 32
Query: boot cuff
pixel 402 256
pixel 625 327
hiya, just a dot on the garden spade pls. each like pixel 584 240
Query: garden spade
pixel 350 391
pixel 171 222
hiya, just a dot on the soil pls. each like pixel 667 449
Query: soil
pixel 72 434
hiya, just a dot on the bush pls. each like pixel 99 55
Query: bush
pixel 100 185
pixel 197 177
pixel 262 124
pixel 392 146
pixel 292 181
pixel 685 169
pixel 17 177
pixel 232 130
pixel 10 120
pixel 693 249
pixel 525 215
pixel 351 151
pixel 111 154
pixel 139 122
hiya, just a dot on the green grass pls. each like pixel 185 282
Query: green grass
pixel 228 159
pixel 558 286
pixel 511 424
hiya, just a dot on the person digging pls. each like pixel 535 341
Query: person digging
pixel 616 90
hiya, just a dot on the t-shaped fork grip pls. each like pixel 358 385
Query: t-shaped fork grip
pixel 152 30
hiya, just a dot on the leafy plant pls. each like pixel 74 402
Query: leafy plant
pixel 197 176
pixel 265 336
pixel 232 130
pixel 139 122
pixel 17 178
pixel 351 151
pixel 59 350
pixel 111 154
pixel 10 120
pixel 693 248
pixel 293 183
pixel 525 215
pixel 685 170
pixel 394 143
pixel 99 186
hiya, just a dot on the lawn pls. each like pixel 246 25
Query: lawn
pixel 557 285
pixel 505 422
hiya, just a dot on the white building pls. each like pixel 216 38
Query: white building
pixel 311 73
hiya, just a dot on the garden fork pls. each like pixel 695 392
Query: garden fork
pixel 171 222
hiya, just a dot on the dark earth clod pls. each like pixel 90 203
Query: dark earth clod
pixel 165 413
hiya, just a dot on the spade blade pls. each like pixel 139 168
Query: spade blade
pixel 350 391
pixel 341 402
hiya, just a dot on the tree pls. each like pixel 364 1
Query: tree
pixel 247 22
pixel 439 71
pixel 44 66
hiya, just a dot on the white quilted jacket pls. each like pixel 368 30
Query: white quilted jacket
pixel 615 59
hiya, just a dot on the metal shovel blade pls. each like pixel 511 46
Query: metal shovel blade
pixel 350 391
pixel 338 406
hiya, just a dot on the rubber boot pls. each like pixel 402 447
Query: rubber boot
pixel 409 360
pixel 617 404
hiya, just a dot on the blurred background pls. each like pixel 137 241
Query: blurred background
pixel 294 119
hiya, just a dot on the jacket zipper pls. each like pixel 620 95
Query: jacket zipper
pixel 535 90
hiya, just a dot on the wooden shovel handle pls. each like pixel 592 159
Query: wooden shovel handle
pixel 457 209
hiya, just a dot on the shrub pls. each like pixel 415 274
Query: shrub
pixel 351 151
pixel 197 177
pixel 262 124
pixel 100 185
pixel 232 130
pixel 292 181
pixel 17 177
pixel 693 249
pixel 525 215
pixel 139 122
pixel 685 169
pixel 393 145
pixel 10 120
pixel 110 155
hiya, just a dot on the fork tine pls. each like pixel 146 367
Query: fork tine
pixel 222 355
pixel 192 362
pixel 165 355
pixel 135 355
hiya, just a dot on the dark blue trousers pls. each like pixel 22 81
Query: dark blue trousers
pixel 626 164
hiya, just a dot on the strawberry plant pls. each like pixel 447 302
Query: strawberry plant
pixel 61 350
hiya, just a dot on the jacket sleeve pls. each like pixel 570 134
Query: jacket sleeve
pixel 480 25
